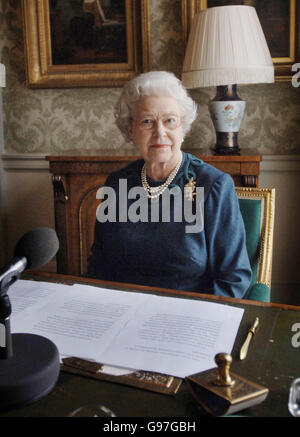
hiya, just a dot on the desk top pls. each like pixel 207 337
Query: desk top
pixel 273 361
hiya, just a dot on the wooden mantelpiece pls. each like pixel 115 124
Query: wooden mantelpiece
pixel 78 176
pixel 243 168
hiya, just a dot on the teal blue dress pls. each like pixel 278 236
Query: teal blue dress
pixel 162 253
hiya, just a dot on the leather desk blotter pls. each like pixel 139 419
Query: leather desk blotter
pixel 156 382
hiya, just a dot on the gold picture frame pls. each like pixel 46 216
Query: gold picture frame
pixel 283 63
pixel 98 70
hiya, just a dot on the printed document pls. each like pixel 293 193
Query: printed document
pixel 132 330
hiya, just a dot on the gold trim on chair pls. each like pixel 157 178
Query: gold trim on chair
pixel 267 195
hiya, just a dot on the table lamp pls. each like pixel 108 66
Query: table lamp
pixel 227 47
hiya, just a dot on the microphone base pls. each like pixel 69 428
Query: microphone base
pixel 31 373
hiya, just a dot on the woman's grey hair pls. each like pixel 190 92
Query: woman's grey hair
pixel 158 83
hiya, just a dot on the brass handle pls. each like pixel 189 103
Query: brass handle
pixel 223 362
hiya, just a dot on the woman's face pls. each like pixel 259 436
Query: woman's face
pixel 156 129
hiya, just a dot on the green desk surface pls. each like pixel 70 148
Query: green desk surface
pixel 272 361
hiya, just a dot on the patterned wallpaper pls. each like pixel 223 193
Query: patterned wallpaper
pixel 58 120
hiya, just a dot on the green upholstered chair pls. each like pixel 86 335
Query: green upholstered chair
pixel 257 206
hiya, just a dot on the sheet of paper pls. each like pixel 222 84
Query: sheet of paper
pixel 80 320
pixel 129 330
pixel 175 336
pixel 30 294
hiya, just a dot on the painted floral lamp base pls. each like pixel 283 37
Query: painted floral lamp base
pixel 227 112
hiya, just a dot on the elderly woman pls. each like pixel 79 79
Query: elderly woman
pixel 155 113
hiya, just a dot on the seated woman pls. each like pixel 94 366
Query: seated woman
pixel 155 113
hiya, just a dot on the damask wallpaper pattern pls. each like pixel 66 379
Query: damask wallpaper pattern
pixel 59 120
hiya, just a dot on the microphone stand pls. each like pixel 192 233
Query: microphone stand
pixel 29 363
pixel 8 276
pixel 6 349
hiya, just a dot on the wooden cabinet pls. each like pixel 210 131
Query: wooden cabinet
pixel 76 179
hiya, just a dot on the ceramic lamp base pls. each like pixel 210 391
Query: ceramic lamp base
pixel 227 112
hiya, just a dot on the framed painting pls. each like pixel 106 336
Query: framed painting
pixel 280 22
pixel 85 43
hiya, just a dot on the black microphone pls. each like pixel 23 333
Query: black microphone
pixel 29 364
pixel 32 251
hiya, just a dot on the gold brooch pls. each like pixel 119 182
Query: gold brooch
pixel 189 189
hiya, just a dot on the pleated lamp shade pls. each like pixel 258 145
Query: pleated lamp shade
pixel 2 75
pixel 227 46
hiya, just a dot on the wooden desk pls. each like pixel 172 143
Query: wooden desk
pixel 272 361
pixel 76 179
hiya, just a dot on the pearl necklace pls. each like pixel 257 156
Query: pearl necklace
pixel 154 192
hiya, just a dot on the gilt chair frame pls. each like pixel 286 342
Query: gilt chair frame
pixel 265 254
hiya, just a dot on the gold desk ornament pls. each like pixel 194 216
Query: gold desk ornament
pixel 156 382
pixel 220 393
